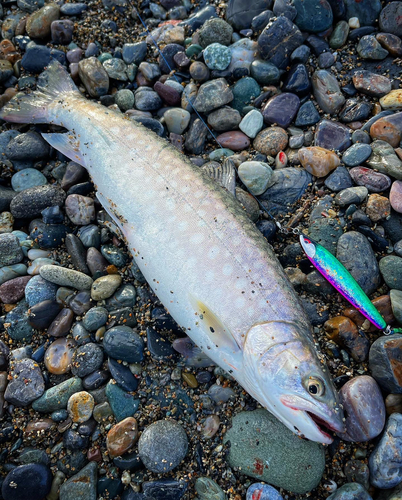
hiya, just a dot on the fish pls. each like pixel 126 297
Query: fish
pixel 205 260
pixel 341 279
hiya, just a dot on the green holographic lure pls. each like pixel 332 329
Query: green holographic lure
pixel 341 279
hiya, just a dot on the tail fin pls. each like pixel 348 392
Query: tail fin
pixel 34 107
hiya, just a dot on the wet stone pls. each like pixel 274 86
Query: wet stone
pixel 355 253
pixel 163 445
pixel 114 255
pixel 385 462
pixel 105 286
pixel 59 355
pixel 95 318
pixel 265 73
pixel 62 31
pixel 57 396
pixel 86 359
pixel 391 43
pixel 315 16
pixel 339 179
pixel 365 409
pixel 134 53
pixel 384 360
pixel 123 343
pixel 327 92
pixel 326 231
pixel 281 109
pixel 27 383
pixel 258 436
pixel 80 303
pixel 80 209
pixel 89 236
pixel 371 84
pixel 389 19
pixel 66 277
pixel 357 471
pixel 318 161
pixel 356 154
pixel 30 202
pixel 339 35
pixel 395 196
pixel 297 80
pixel 332 135
pixel 262 492
pixel 27 482
pixel 123 404
pixel 369 48
pixel 122 437
pixel 27 178
pixel 378 207
pixel 234 140
pixel 396 303
pixel 39 23
pixel 350 491
pixel 159 347
pixel 94 76
pixel 351 195
pixel 307 115
pixel 384 159
pixel 81 485
pixel 354 111
pixel 80 406
pixel 10 250
pixel 122 375
pixel 391 270
pixel 344 332
pixel 61 325
pixel 278 41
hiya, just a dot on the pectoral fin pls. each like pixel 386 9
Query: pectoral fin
pixel 67 144
pixel 214 328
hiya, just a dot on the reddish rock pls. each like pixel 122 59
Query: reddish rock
pixel 61 325
pixel 395 196
pixel 393 403
pixel 122 437
pixel 388 129
pixel 371 83
pixel 372 180
pixel 39 428
pixel 169 95
pixel 9 52
pixel 94 455
pixel 235 140
pixel 378 207
pixel 13 290
pixel 390 42
pixel 345 333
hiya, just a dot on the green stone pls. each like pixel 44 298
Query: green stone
pixel 391 270
pixel 244 91
pixel 207 489
pixel 263 448
pixel 82 485
pixel 57 396
pixel 193 50
pixel 339 35
pixel 326 232
pixel 104 57
pixel 218 154
pixel 123 403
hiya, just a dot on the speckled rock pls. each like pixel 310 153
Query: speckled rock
pixel 80 406
pixel 80 209
pixel 271 141
pixel 384 158
pixel 81 485
pixel 65 277
pixel 351 195
pixel 212 95
pixel 390 18
pixel 105 286
pixel 27 383
pixel 31 202
pixel 94 76
pixel 57 396
pixel 373 181
pixel 327 92
pixel 378 207
pixel 391 270
pixel 371 84
pixel 255 175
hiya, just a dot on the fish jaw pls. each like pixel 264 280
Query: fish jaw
pixel 278 363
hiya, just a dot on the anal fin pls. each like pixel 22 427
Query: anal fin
pixel 224 175
pixel 67 144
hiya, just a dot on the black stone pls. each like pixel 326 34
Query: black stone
pixel 81 303
pixel 164 489
pixel 163 320
pixel 159 347
pixel 307 115
pixel 393 227
pixel 122 342
pixel 73 440
pixel 338 180
pixel 77 253
pixel 198 19
pixel 95 379
pixel 72 462
pixel 52 215
pixel 42 314
pixel 354 110
pixel 314 313
pixel 86 359
pixel 6 195
pixel 377 242
pixel 317 44
pixel 267 228
pixel 151 124
pixel 122 375
pixel 166 58
pixel 240 13
pixel 359 32
pixel 129 461
pixel 47 235
pixel 297 80
pixel 31 202
pixel 84 188
pixel 27 482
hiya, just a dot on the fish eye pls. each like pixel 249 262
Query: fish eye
pixel 315 386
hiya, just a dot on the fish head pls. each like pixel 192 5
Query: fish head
pixel 292 381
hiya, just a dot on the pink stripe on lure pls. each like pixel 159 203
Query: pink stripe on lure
pixel 341 279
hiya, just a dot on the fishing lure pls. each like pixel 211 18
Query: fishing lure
pixel 341 279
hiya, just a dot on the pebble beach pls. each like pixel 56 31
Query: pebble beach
pixel 102 395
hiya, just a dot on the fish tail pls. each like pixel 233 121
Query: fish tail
pixel 37 106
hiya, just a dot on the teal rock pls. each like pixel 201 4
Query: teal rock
pixel 313 16
pixel 217 56
pixel 356 154
pixel 56 397
pixel 267 450
pixel 124 98
pixel 215 31
pixel 244 92
pixel 265 73
pixel 339 35
pixel 27 178
pixel 123 404
pixel 220 154
pixel 82 485
pixel 391 270
pixel 17 321
pixel 116 69
pixel 10 272
pixel 326 232
pixel 252 123
pixel 384 159
pixel 207 489
pixel 350 491
pixel 366 10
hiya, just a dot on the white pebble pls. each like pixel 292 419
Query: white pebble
pixel 36 253
pixel 354 23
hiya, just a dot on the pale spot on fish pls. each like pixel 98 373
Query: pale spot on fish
pixel 197 238
pixel 209 276
pixel 183 225
pixel 227 269
pixel 240 302
pixel 241 284
pixel 213 252
pixel 191 262
pixel 170 204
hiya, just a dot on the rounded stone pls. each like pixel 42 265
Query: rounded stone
pixel 39 23
pixel 234 140
pixel 30 202
pixel 265 73
pixel 391 270
pixel 215 31
pixel 255 175
pixel 122 437
pixel 27 482
pixel 105 286
pixel 217 56
pixel 94 76
pixel 66 277
pixel 390 18
pixel 372 180
pixel 177 120
pixel 356 154
pixel 365 409
pixel 86 359
pixel 318 161
pixel 262 492
pixel 313 16
pixel 378 207
pixel 26 383
pixel 384 362
pixel 27 178
pixel 252 123
pixel 124 98
pixel 80 209
pixel 350 491
pixel 122 342
pixel 395 196
pixel 271 141
pixel 58 356
pixel 80 406
pixel 281 109
pixel 163 445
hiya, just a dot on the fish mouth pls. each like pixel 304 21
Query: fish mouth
pixel 322 426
